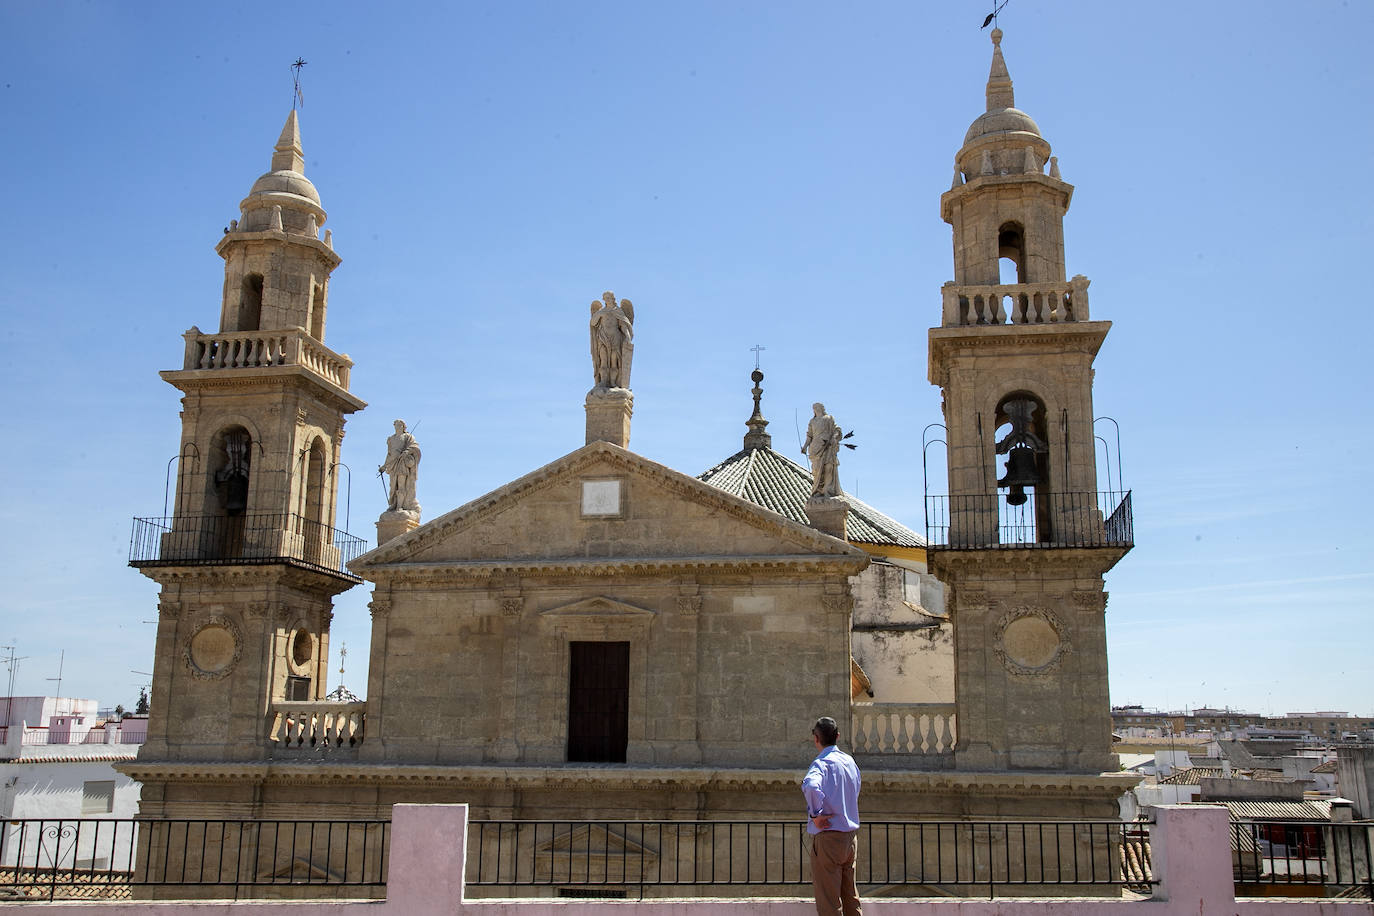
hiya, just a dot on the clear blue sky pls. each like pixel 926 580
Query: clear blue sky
pixel 747 174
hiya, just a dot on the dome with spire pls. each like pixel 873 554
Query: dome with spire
pixel 284 186
pixel 1003 131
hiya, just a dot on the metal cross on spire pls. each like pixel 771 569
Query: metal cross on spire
pixel 756 349
pixel 297 97
pixel 992 17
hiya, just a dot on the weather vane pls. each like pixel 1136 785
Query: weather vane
pixel 297 97
pixel 756 349
pixel 992 17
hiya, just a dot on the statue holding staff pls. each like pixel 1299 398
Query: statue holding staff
pixel 403 464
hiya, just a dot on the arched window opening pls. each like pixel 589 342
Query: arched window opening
pixel 1025 475
pixel 250 303
pixel 1011 253
pixel 226 503
pixel 317 312
pixel 232 459
pixel 311 520
pixel 313 497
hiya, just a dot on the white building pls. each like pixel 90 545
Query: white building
pixel 62 770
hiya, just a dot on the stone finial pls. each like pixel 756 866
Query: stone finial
pixel 958 178
pixel 276 224
pixel 999 81
pixel 758 436
pixel 312 227
pixel 329 238
pixel 1054 167
pixel 1031 166
pixel 288 155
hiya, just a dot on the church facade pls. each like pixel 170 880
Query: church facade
pixel 607 637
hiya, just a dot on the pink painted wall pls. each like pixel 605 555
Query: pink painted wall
pixel 1191 848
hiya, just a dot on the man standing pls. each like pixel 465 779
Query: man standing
pixel 831 788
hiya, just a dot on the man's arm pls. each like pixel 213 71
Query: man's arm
pixel 815 798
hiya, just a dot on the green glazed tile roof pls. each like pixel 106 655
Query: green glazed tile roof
pixel 766 478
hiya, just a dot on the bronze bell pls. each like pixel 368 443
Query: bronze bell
pixel 1021 472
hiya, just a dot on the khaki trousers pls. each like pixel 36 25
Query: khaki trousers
pixel 832 872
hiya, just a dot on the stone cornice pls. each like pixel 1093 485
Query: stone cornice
pixel 195 380
pixel 629 567
pixel 948 344
pixel 983 564
pixel 278 574
pixel 395 552
pixel 616 778
pixel 271 238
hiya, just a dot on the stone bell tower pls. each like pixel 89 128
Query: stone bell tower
pixel 1024 537
pixel 251 557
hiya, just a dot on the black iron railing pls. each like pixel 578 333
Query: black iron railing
pixel 1045 520
pixel 190 540
pixel 686 853
pixel 93 858
pixel 1336 856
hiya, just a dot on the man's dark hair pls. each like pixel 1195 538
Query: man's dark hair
pixel 826 729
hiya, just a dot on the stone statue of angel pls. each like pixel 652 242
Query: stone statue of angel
pixel 612 330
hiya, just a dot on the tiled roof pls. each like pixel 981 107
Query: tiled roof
pixel 766 478
pixel 1306 810
pixel 1192 776
pixel 1136 868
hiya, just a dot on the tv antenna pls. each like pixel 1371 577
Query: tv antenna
pixel 61 660
pixel 13 662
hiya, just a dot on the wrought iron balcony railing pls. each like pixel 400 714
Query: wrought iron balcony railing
pixel 265 537
pixel 1045 520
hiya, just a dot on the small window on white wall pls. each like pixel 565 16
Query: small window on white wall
pixel 97 796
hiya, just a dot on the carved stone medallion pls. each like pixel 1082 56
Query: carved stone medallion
pixel 1030 641
pixel 214 648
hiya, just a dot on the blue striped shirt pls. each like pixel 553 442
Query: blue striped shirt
pixel 831 788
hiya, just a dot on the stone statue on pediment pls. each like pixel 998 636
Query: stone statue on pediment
pixel 402 464
pixel 612 332
pixel 822 447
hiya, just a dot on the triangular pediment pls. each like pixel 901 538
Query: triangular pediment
pixel 595 840
pixel 599 608
pixel 597 854
pixel 603 505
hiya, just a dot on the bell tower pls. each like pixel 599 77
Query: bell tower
pixel 250 559
pixel 1024 537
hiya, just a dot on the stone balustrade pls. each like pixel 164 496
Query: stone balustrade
pixel 903 728
pixel 1016 303
pixel 261 349
pixel 316 725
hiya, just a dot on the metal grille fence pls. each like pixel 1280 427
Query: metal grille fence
pixel 947 853
pixel 1337 856
pixel 104 857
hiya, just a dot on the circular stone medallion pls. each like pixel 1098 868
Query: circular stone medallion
pixel 213 648
pixel 1029 641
